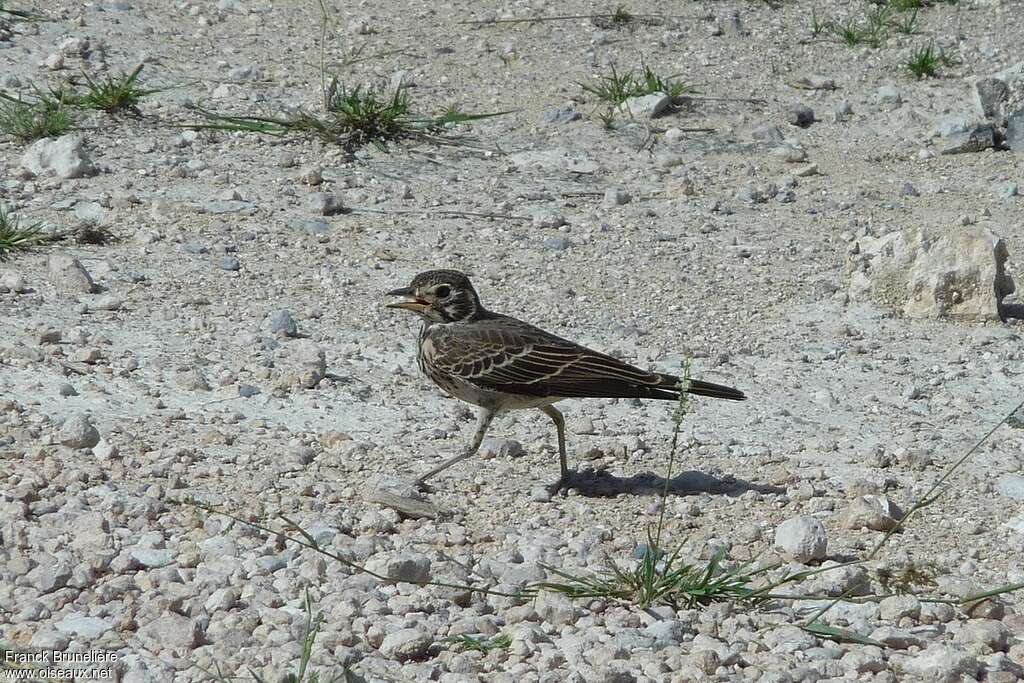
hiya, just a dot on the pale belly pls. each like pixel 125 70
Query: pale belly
pixel 494 400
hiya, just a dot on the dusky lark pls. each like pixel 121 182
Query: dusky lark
pixel 499 363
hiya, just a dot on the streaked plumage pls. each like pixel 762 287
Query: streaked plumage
pixel 501 363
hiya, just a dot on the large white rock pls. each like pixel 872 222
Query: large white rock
pixel 803 538
pixel 958 273
pixel 68 274
pixel 64 157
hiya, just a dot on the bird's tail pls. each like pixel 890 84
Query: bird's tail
pixel 699 388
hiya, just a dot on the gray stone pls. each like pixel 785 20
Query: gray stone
pixel 941 664
pixel 647 106
pixel 986 632
pixel 877 513
pixel 800 115
pixel 229 263
pixel 1013 136
pixel 326 204
pixel 788 639
pixel 563 115
pixel 948 126
pixel 302 363
pixel 407 643
pixel 989 96
pixel 849 580
pixel 548 219
pixel 666 633
pixel 506 449
pixel 802 538
pixel 64 157
pixel 49 639
pixel 555 608
pixel 615 196
pixel 281 322
pixel 171 631
pixel 1009 191
pixel 13 282
pixel 50 575
pixel 557 243
pixel 310 227
pixel 106 302
pixel 79 432
pixel 1011 486
pixel 896 607
pixel 767 133
pixel 82 626
pixel 889 96
pixel 68 274
pixel 221 599
pixel 957 273
pixel 411 568
pixel 192 380
pixel 152 557
pixel 977 139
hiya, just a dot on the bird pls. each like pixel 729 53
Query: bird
pixel 499 363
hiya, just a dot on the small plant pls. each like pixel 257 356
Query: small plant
pixel 114 94
pixel 908 579
pixel 819 26
pixel 15 237
pixel 878 19
pixel 28 121
pixel 353 117
pixel 850 33
pixel 480 644
pixel 905 23
pixel 615 88
pixel 658 580
pixel 91 233
pixel 924 61
pixel 369 114
pixel 621 17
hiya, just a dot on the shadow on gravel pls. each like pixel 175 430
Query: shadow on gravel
pixel 1012 311
pixel 601 484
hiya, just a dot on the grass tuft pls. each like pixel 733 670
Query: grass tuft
pixel 905 23
pixel 658 580
pixel 114 94
pixel 615 88
pixel 15 237
pixel 353 118
pixel 924 61
pixel 29 121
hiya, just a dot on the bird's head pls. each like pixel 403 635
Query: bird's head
pixel 441 296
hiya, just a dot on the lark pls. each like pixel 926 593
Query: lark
pixel 499 363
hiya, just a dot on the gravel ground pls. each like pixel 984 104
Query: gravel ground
pixel 230 346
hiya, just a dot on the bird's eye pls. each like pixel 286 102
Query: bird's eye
pixel 443 291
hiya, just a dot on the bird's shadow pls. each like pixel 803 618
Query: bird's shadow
pixel 602 484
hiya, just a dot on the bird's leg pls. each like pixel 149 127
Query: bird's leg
pixel 563 477
pixel 483 421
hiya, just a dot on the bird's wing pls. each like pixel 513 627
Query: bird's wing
pixel 505 354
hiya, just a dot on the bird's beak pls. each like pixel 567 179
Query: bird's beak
pixel 412 304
